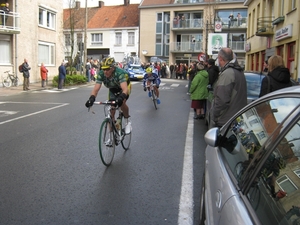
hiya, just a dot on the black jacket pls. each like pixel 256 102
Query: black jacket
pixel 213 73
pixel 279 78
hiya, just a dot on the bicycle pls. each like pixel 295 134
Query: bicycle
pixel 112 133
pixel 10 79
pixel 153 94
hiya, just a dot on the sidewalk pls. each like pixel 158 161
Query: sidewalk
pixel 7 91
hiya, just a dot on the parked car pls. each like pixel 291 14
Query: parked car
pixel 253 89
pixel 136 72
pixel 252 164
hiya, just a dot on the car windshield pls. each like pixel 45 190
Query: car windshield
pixel 136 69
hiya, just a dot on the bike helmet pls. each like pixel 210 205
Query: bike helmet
pixel 107 62
pixel 149 70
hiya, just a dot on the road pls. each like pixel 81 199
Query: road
pixel 51 172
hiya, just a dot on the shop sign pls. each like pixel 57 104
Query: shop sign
pixel 284 32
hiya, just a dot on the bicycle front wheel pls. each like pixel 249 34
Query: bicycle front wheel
pixel 154 99
pixel 6 82
pixel 126 140
pixel 106 143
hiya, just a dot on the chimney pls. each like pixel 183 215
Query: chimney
pixel 126 2
pixel 101 4
pixel 77 5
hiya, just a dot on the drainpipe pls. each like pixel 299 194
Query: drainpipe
pixel 16 44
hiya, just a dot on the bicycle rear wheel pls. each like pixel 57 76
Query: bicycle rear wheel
pixel 6 82
pixel 154 97
pixel 106 143
pixel 126 140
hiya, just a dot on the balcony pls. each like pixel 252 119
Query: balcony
pixel 186 47
pixel 188 24
pixel 264 26
pixel 232 24
pixel 278 20
pixel 10 23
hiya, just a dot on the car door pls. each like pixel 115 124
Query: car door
pixel 261 152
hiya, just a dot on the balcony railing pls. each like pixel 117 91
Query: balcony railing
pixel 237 45
pixel 10 23
pixel 188 24
pixel 186 46
pixel 235 23
pixel 264 26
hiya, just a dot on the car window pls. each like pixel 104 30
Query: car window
pixel 274 193
pixel 253 85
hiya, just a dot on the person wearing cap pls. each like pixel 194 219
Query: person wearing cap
pixel 198 91
pixel 118 82
pixel 153 78
pixel 230 92
pixel 213 73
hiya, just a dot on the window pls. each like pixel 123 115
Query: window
pixel 297 172
pixel 5 49
pixel 286 184
pixel 131 38
pixel 46 53
pixel 97 39
pixel 118 38
pixel 291 57
pixel 67 39
pixel 281 13
pixel 47 18
pixel 280 50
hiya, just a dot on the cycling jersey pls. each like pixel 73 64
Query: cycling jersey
pixel 119 76
pixel 154 78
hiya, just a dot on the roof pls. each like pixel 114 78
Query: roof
pixel 156 2
pixel 104 17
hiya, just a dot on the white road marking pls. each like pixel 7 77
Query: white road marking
pixel 186 204
pixel 174 85
pixel 31 114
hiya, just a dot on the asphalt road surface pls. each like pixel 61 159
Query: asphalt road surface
pixel 51 172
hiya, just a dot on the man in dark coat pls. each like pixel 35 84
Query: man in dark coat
pixel 26 75
pixel 61 75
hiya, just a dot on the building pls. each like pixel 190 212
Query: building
pixel 186 30
pixel 109 30
pixel 35 35
pixel 273 28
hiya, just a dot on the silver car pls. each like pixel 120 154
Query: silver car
pixel 252 167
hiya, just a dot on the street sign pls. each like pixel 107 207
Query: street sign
pixel 218 26
pixel 187 55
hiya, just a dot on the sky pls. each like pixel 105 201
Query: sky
pixel 93 3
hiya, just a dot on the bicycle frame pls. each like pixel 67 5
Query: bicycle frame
pixel 9 79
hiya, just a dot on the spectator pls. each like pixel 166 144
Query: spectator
pixel 5 10
pixel 193 43
pixel 213 73
pixel 230 20
pixel 26 75
pixel 278 76
pixel 163 70
pixel 61 75
pixel 172 68
pixel 239 19
pixel 44 72
pixel 88 67
pixel 199 91
pixel 191 74
pixel 230 93
pixel 183 21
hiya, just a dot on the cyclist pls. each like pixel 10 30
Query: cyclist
pixel 154 78
pixel 118 83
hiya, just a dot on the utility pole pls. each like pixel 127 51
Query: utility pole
pixel 85 36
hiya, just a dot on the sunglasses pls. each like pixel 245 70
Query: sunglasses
pixel 107 69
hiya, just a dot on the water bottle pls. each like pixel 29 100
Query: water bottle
pixel 118 125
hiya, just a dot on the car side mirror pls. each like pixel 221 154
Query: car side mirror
pixel 211 136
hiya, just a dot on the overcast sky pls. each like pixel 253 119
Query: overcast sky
pixel 92 3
